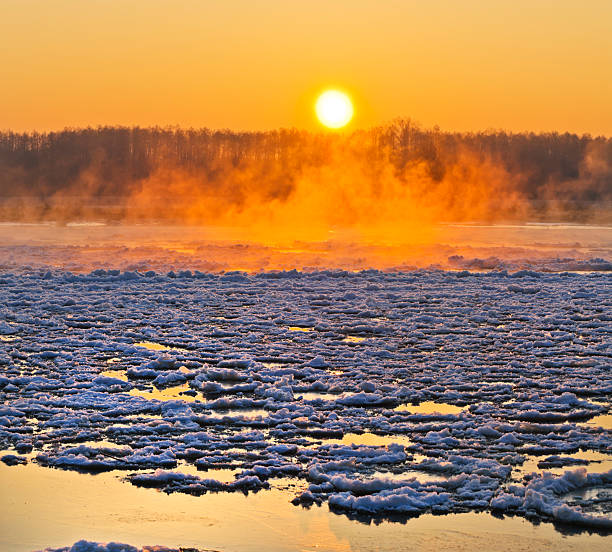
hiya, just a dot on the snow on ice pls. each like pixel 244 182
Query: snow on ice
pixel 381 394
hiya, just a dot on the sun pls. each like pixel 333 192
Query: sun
pixel 334 109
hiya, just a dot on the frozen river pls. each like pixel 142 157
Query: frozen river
pixel 317 410
pixel 88 246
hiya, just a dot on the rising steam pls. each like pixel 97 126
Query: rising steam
pixel 384 187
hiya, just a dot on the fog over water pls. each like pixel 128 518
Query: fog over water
pixel 85 246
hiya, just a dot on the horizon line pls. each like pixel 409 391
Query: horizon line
pixel 333 132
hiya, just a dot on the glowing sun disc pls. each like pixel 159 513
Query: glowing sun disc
pixel 334 109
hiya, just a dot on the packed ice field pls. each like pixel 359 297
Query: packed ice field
pixel 380 395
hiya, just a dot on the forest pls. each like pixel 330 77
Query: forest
pixel 153 173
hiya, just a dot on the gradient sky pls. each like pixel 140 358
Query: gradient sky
pixel 253 64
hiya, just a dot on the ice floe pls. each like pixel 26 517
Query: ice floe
pixel 380 393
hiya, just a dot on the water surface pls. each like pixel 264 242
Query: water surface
pixel 42 507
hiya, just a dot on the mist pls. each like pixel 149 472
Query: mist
pixel 389 178
pixel 387 197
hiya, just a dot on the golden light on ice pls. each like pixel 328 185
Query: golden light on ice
pixel 334 109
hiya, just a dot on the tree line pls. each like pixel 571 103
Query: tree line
pixel 110 163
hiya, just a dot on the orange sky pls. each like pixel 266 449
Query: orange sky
pixel 244 64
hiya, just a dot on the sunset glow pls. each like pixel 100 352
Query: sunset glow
pixel 535 66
